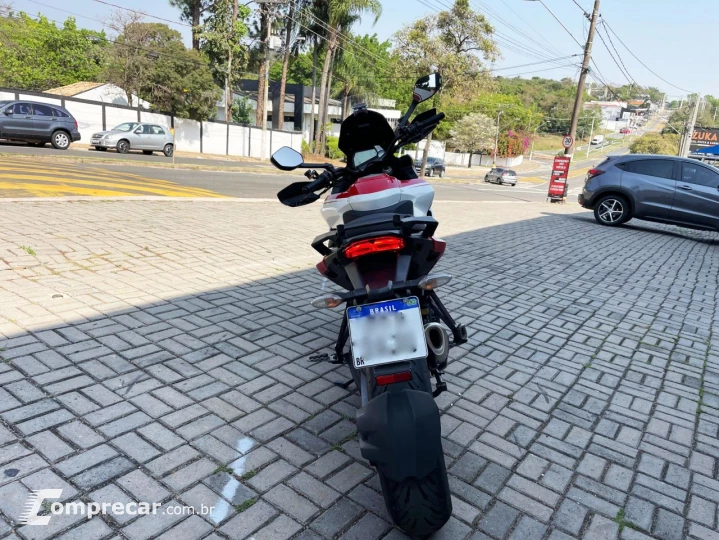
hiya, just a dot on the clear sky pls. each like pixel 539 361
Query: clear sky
pixel 667 35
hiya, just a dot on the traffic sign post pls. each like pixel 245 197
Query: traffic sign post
pixel 568 141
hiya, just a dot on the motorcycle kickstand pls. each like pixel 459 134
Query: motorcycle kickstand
pixel 441 386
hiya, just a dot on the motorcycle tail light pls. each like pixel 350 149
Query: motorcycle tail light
pixel 402 376
pixel 370 246
pixel 327 301
pixel 432 281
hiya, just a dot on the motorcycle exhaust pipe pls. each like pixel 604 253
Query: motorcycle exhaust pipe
pixel 437 345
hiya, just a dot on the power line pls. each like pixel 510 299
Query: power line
pixel 642 63
pixel 625 73
pixel 142 13
pixel 615 49
pixel 561 23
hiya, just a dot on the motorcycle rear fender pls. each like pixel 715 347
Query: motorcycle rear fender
pixel 400 433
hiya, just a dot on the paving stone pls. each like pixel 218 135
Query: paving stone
pixel 601 528
pixel 142 487
pixel 569 517
pixel 314 490
pixel 498 520
pixel 245 523
pixel 51 446
pixel 192 528
pixel 272 475
pixel 639 512
pixel 668 526
pixel 295 505
pixel 336 518
pixel 528 529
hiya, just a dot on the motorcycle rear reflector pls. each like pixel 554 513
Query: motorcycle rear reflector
pixel 327 301
pixel 402 376
pixel 370 246
pixel 432 281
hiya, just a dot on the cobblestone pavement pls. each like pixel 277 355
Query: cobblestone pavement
pixel 157 351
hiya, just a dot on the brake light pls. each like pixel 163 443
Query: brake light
pixel 76 124
pixel 594 172
pixel 402 376
pixel 373 245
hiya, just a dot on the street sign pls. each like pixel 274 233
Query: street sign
pixel 558 180
pixel 568 141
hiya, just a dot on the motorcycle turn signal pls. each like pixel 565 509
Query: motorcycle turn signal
pixel 432 281
pixel 327 301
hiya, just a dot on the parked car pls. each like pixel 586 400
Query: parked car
pixel 434 166
pixel 501 176
pixel 37 124
pixel 598 139
pixel 666 189
pixel 625 131
pixel 128 136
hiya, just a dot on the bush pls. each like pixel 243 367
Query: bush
pixel 654 143
pixel 305 148
pixel 333 152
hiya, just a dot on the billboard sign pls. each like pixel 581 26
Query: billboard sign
pixel 558 179
pixel 704 137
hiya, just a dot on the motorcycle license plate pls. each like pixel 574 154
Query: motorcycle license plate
pixel 386 332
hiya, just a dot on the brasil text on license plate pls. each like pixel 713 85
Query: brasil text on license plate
pixel 386 332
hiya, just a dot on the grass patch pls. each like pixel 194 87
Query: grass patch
pixel 29 250
pixel 245 505
pixel 224 468
pixel 248 474
pixel 623 522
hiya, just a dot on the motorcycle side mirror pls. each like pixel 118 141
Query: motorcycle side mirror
pixel 293 195
pixel 426 87
pixel 287 159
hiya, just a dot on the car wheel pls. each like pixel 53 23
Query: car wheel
pixel 429 173
pixel 612 210
pixel 100 148
pixel 60 140
pixel 168 150
pixel 123 147
pixel 147 152
pixel 441 173
pixel 486 178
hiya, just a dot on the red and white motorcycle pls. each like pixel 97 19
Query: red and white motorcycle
pixel 380 249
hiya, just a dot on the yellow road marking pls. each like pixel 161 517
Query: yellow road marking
pixel 130 190
pixel 32 177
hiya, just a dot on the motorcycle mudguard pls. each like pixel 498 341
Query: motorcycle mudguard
pixel 400 434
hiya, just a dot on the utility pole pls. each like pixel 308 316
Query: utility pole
pixel 496 140
pixel 228 76
pixel 591 134
pixel 265 87
pixel 582 77
pixel 687 138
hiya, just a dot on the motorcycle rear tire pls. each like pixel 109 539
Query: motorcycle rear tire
pixel 420 507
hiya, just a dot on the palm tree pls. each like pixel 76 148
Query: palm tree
pixel 341 14
pixel 293 17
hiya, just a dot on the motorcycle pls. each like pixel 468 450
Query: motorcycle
pixel 380 249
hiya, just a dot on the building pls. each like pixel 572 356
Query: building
pixel 611 110
pixel 298 106
pixel 100 92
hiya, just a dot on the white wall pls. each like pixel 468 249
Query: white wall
pixel 214 138
pixel 41 99
pixel 187 132
pixel 89 118
pixel 461 159
pixel 115 116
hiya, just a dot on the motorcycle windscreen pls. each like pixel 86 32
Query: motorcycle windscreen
pixel 364 130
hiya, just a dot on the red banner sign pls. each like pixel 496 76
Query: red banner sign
pixel 558 180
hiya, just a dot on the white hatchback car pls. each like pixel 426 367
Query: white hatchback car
pixel 136 136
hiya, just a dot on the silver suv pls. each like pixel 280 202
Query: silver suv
pixel 666 189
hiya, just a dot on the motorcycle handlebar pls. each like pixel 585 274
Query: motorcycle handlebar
pixel 321 181
pixel 436 119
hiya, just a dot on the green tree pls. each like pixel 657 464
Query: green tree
pixel 473 133
pixel 151 61
pixel 339 16
pixel 191 11
pixel 655 143
pixel 241 111
pixel 356 67
pixel 454 43
pixel 37 55
pixel 221 36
